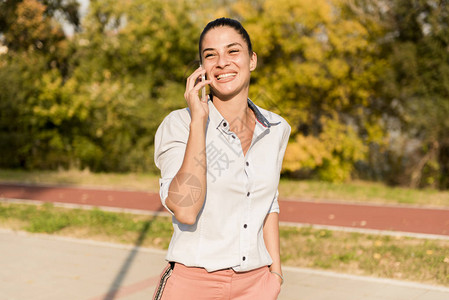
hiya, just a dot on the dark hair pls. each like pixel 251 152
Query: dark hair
pixel 230 23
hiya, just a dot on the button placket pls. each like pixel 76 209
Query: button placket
pixel 245 230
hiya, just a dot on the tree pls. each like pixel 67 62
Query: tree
pixel 418 84
pixel 34 61
pixel 25 23
pixel 316 68
pixel 130 67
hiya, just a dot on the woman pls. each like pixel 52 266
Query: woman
pixel 220 161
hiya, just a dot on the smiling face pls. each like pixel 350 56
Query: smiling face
pixel 227 62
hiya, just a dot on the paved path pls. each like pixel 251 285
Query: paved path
pixel 43 267
pixel 356 216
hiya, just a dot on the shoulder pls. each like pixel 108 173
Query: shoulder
pixel 175 126
pixel 276 121
pixel 179 116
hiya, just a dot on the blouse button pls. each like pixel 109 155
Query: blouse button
pixel 243 258
pixel 233 136
pixel 247 195
pixel 225 124
pixel 244 226
pixel 247 163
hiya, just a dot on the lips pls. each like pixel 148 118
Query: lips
pixel 225 76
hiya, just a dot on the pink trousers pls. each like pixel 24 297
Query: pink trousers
pixel 188 283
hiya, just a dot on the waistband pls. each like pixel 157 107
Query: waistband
pixel 226 274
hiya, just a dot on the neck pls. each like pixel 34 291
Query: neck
pixel 236 111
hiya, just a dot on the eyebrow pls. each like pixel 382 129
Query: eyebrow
pixel 228 46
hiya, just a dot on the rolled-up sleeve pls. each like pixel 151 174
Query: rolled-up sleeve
pixel 275 204
pixel 169 148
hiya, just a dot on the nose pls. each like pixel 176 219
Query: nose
pixel 222 61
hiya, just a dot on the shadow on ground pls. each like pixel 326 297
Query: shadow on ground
pixel 121 275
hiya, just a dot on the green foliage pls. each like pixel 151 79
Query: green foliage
pixel 332 154
pixel 418 85
pixel 353 78
pixel 96 100
pixel 317 69
pixel 129 77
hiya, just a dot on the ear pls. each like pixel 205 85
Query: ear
pixel 253 61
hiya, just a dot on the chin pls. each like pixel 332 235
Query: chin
pixel 224 96
pixel 227 94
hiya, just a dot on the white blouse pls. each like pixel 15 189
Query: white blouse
pixel 241 190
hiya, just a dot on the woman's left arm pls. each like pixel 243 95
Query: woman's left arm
pixel 271 222
pixel 271 238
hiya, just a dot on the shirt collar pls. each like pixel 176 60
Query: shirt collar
pixel 217 120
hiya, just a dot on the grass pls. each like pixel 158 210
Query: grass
pixel 94 224
pixel 361 191
pixel 405 258
pixel 357 191
pixel 132 181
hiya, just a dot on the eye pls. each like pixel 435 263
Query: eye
pixel 234 51
pixel 208 55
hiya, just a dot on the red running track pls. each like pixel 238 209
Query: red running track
pixel 377 217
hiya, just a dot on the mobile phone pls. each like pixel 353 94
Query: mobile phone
pixel 203 89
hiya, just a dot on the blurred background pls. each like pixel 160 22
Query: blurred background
pixel 363 83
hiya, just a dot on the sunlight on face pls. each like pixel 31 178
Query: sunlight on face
pixel 227 62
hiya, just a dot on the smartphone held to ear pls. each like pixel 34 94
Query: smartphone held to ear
pixel 203 89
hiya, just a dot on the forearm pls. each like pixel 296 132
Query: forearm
pixel 188 189
pixel 271 238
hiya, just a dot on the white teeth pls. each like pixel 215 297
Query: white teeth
pixel 225 75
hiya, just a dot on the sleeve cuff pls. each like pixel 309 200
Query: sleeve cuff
pixel 163 192
pixel 275 204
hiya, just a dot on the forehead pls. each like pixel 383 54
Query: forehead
pixel 220 37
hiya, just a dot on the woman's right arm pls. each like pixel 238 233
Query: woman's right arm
pixel 187 190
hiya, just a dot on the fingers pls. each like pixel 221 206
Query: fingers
pixel 194 84
pixel 194 79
